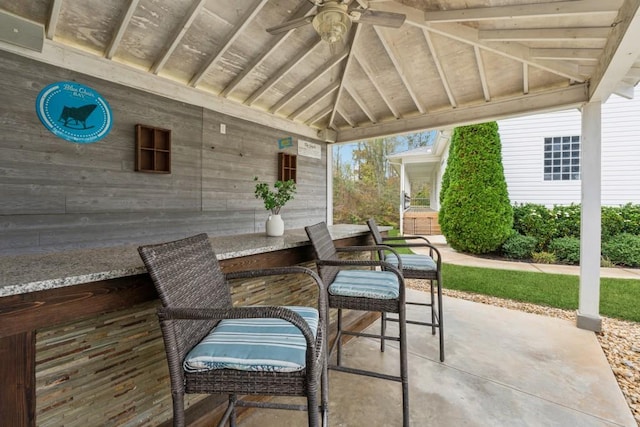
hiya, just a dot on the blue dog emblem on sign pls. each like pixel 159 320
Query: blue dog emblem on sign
pixel 74 112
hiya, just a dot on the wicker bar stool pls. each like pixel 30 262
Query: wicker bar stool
pixel 349 287
pixel 417 266
pixel 213 347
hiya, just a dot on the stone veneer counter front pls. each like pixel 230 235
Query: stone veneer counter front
pixel 36 272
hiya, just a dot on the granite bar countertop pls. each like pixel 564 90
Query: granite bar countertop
pixel 20 274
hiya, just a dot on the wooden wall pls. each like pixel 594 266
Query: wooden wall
pixel 55 194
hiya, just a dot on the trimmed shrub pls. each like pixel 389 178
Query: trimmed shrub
pixel 606 262
pixel 630 218
pixel 536 221
pixel 623 249
pixel 544 258
pixel 518 246
pixel 566 221
pixel 476 215
pixel 612 222
pixel 566 249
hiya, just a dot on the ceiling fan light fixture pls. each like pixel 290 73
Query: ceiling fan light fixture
pixel 332 23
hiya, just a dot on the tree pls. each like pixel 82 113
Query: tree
pixel 475 214
pixel 368 187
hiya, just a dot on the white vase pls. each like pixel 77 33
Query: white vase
pixel 275 225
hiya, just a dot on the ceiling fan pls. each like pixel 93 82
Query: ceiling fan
pixel 334 18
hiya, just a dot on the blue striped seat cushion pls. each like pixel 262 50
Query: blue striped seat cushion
pixel 272 345
pixel 366 284
pixel 413 261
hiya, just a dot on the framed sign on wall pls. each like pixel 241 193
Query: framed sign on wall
pixel 74 112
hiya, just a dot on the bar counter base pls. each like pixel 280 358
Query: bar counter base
pixel 23 316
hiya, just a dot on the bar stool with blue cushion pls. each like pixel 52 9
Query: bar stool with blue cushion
pixel 378 288
pixel 213 347
pixel 417 266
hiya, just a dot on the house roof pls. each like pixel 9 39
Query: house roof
pixel 451 61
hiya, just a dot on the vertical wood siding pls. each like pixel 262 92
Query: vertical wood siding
pixel 522 154
pixel 56 194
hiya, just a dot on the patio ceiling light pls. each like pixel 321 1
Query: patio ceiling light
pixel 332 22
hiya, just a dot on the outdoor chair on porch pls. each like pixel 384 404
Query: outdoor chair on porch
pixel 213 347
pixel 417 266
pixel 378 288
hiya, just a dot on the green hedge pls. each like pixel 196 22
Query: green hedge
pixel 557 231
pixel 623 249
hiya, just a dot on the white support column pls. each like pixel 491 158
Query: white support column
pixel 329 186
pixel 590 220
pixel 402 188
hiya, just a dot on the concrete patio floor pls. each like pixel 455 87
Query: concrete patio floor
pixel 502 368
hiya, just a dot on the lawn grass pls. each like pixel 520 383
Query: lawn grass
pixel 619 298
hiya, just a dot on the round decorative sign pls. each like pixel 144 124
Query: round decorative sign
pixel 74 112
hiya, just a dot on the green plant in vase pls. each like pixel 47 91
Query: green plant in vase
pixel 274 199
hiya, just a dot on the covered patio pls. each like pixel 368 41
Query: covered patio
pixel 239 82
pixel 379 68
pixel 504 368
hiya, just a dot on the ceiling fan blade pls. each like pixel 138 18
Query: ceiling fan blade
pixel 378 17
pixel 290 25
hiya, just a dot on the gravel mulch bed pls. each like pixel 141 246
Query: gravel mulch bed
pixel 619 339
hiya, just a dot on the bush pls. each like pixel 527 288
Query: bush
pixel 623 249
pixel 476 215
pixel 606 262
pixel 630 218
pixel 612 222
pixel 566 249
pixel 518 246
pixel 544 258
pixel 536 221
pixel 566 221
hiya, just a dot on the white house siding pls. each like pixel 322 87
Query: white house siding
pixel 523 151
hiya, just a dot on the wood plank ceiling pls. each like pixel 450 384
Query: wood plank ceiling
pixel 451 62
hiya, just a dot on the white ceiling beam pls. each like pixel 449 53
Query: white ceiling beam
pixel 282 71
pixel 374 81
pixel 620 53
pixel 345 116
pixel 483 74
pixel 511 50
pixel 634 73
pixel 315 100
pixel 624 90
pixel 245 20
pixel 54 16
pixel 566 54
pixel 554 100
pixel 441 73
pixel 273 45
pixel 190 16
pixel 469 35
pixel 545 34
pixel 311 79
pixel 399 69
pixel 122 28
pixel 360 102
pixel 352 42
pixel 320 115
pixel 537 10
